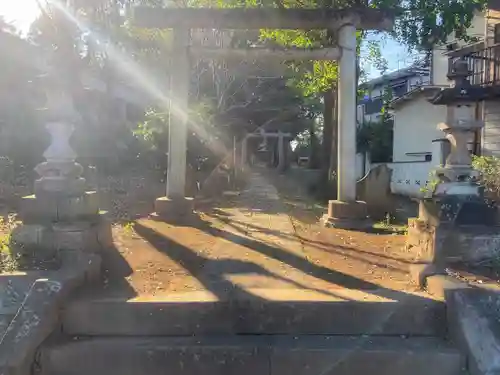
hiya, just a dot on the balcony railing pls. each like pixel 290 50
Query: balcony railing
pixel 484 64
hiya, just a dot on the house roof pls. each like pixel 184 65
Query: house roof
pixel 428 91
pixel 414 70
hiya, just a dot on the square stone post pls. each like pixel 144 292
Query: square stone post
pixel 346 212
pixel 281 153
pixel 175 204
pixel 244 152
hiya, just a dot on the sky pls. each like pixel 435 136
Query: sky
pixel 22 13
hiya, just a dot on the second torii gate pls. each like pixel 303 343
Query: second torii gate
pixel 265 135
pixel 343 212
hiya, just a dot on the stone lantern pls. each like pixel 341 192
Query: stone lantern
pixel 456 223
pixel 61 217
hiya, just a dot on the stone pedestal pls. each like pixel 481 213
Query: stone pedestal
pixel 57 207
pixel 450 230
pixel 61 216
pixel 444 245
pixel 43 242
pixel 347 215
pixel 174 209
pixel 53 223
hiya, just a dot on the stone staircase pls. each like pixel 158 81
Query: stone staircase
pixel 255 332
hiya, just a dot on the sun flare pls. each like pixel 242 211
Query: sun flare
pixel 21 13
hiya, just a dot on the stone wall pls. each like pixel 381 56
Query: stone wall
pixel 374 189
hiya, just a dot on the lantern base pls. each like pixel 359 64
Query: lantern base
pixel 453 230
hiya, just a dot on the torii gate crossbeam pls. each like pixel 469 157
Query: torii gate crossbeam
pixel 343 212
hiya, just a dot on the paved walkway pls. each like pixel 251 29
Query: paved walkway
pixel 248 245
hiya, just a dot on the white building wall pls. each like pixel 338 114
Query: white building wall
pixel 415 127
pixel 439 66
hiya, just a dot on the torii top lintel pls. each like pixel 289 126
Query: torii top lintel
pixel 262 18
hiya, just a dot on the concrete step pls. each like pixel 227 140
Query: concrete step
pixel 241 355
pixel 349 312
pixel 5 320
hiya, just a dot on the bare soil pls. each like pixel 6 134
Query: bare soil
pixel 221 246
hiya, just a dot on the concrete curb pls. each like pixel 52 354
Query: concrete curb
pixel 421 272
pixel 442 285
pixel 473 316
pixel 38 315
pixel 472 319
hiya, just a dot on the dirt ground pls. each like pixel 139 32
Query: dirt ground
pixel 221 247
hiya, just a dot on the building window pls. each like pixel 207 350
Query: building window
pixel 399 90
pixel 374 106
pixel 496 35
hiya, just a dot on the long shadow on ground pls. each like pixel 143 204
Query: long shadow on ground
pixel 251 313
pixel 323 246
pixel 212 273
pixel 195 263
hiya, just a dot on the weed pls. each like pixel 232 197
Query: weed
pixel 8 262
pixel 129 227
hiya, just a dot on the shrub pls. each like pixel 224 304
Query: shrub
pixel 489 166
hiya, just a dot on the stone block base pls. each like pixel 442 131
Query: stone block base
pixel 175 209
pixel 43 242
pixel 69 187
pixel 419 273
pixel 56 207
pixel 347 215
pixel 447 244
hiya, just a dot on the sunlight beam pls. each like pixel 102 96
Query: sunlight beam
pixel 142 79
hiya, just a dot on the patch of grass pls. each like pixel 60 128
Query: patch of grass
pixel 390 224
pixel 394 228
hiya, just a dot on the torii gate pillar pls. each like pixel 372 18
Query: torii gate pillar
pixel 346 212
pixel 175 204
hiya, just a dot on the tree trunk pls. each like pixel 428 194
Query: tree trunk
pixel 326 146
pixel 332 170
pixel 313 148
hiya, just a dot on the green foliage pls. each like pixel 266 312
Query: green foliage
pixel 375 138
pixel 421 24
pixel 489 166
pixel 153 129
pixel 431 184
pixel 8 261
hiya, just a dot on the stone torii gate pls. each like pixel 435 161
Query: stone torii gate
pixel 265 135
pixel 345 211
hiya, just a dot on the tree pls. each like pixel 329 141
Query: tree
pixel 22 134
pixel 419 24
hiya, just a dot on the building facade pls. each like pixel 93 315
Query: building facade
pixel 417 143
pixel 398 83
